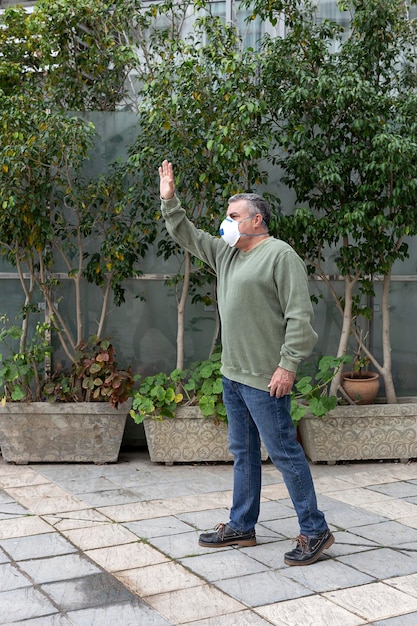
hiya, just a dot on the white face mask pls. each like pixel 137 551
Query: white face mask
pixel 229 230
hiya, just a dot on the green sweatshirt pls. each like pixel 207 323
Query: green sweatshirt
pixel 264 303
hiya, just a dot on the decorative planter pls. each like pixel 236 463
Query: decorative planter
pixel 41 432
pixel 361 388
pixel 371 432
pixel 189 437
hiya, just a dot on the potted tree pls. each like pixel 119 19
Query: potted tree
pixel 55 224
pixel 202 107
pixel 346 131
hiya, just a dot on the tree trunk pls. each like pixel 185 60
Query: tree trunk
pixel 345 332
pixel 181 311
pixel 386 342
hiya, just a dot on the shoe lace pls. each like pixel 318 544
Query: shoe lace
pixel 301 541
pixel 220 529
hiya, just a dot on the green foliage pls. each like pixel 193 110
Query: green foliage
pixel 22 367
pixel 201 107
pixel 311 392
pixel 346 136
pixel 65 55
pixel 94 377
pixel 76 55
pixel 201 384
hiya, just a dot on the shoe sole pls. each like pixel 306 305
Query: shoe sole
pixel 242 543
pixel 327 545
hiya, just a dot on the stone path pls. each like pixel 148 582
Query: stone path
pixel 102 545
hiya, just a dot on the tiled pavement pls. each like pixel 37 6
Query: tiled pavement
pixel 117 544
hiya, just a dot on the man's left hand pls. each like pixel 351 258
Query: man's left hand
pixel 281 382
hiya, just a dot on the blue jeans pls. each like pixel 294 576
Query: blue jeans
pixel 250 413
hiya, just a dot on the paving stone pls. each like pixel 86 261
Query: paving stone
pixel 11 578
pixel 403 620
pixel 59 568
pixel 100 536
pixel 159 527
pixel 242 618
pixel 11 510
pixel 262 588
pixel 96 590
pixel 127 556
pixel 373 602
pixel 408 584
pixel 47 620
pixel 327 575
pixel 387 533
pixel 160 578
pixel 382 563
pixel 310 611
pixel 399 489
pixel 135 613
pixel 37 546
pixel 23 527
pixel 112 497
pixel 187 605
pixel 24 603
pixel 223 564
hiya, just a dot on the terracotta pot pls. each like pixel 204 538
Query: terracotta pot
pixel 362 388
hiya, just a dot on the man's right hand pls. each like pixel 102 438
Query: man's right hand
pixel 166 180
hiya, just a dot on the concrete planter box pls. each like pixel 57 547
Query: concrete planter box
pixel 366 432
pixel 40 432
pixel 189 437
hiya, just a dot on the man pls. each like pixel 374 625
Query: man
pixel 266 321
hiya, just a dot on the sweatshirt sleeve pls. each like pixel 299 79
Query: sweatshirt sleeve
pixel 299 335
pixel 198 242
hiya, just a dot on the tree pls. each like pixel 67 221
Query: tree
pixel 77 54
pixel 346 137
pixel 50 213
pixel 203 108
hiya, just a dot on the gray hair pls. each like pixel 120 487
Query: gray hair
pixel 256 204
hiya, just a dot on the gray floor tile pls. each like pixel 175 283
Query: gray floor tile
pixel 274 510
pixel 3 557
pixel 37 546
pixel 402 620
pixel 180 546
pixel 23 604
pixel 112 497
pixel 242 618
pixel 159 527
pixel 11 578
pixel 96 590
pixel 286 527
pixel 223 564
pixel 59 568
pixel 399 489
pixel 350 543
pixel 205 520
pixel 270 553
pixel 263 588
pixel 382 563
pixel 47 620
pixel 347 517
pixel 135 613
pixel 5 498
pixel 327 575
pixel 89 484
pixel 12 509
pixel 390 533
